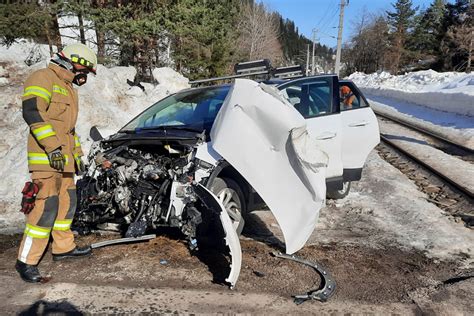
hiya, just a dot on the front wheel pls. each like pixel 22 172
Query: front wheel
pixel 340 194
pixel 232 198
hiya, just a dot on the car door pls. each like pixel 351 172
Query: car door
pixel 316 100
pixel 360 132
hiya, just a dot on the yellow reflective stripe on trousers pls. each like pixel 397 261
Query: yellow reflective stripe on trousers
pixel 77 143
pixel 43 132
pixel 39 92
pixel 36 231
pixel 60 90
pixel 62 224
pixel 41 159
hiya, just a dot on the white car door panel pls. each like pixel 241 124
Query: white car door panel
pixel 360 131
pixel 313 98
pixel 327 133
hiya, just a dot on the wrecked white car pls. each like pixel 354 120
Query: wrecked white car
pixel 209 155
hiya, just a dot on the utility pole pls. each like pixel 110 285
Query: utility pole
pixel 307 59
pixel 469 50
pixel 339 37
pixel 314 44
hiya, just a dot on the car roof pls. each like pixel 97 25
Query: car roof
pixel 271 81
pixel 346 81
pixel 226 85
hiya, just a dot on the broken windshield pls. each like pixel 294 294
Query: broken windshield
pixel 192 108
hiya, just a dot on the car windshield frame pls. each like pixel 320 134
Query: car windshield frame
pixel 191 109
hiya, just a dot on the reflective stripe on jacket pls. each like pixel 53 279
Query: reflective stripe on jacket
pixel 50 108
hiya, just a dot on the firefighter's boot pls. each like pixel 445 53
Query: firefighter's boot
pixel 28 272
pixel 75 253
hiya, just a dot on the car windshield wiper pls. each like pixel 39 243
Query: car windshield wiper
pixel 170 127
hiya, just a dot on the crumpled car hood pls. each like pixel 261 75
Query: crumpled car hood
pixel 265 138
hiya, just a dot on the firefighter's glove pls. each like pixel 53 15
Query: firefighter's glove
pixel 30 190
pixel 80 166
pixel 56 159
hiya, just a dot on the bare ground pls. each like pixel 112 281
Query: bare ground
pixel 130 278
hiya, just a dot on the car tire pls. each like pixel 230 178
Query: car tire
pixel 340 194
pixel 231 196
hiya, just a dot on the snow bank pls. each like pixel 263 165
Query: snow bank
pixel 106 101
pixel 450 91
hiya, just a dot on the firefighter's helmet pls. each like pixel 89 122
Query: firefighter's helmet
pixel 80 54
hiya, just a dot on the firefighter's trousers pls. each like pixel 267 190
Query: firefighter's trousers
pixel 52 215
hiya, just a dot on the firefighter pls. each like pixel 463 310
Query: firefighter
pixel 50 108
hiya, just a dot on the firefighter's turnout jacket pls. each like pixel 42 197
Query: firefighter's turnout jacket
pixel 50 108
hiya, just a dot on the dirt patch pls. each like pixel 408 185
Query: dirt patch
pixel 369 276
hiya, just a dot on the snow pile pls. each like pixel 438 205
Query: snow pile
pixel 106 101
pixel 449 91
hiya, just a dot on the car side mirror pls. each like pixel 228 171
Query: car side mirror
pixel 95 134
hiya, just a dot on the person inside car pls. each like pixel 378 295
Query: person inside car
pixel 347 97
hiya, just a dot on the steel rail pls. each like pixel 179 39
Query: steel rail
pixel 426 132
pixel 439 174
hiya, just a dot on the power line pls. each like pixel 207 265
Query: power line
pixel 324 15
pixel 330 21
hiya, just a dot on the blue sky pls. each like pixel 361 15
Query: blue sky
pixel 324 15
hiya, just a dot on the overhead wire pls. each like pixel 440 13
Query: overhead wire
pixel 324 15
pixel 330 22
pixel 332 19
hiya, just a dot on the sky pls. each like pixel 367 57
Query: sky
pixel 324 15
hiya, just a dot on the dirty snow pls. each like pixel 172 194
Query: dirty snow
pixel 106 101
pixel 386 209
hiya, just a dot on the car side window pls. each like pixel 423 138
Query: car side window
pixel 350 97
pixel 311 98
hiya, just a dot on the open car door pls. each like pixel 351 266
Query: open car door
pixel 361 133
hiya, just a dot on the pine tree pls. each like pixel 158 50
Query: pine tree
pixel 30 20
pixel 457 45
pixel 428 33
pixel 202 36
pixel 295 45
pixel 401 22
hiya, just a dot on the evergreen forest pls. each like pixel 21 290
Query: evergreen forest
pixel 205 38
pixel 199 38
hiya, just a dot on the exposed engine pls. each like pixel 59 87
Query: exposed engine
pixel 134 190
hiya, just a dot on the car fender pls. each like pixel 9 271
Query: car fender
pixel 231 237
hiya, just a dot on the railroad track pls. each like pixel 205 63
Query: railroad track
pixel 440 138
pixel 446 191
